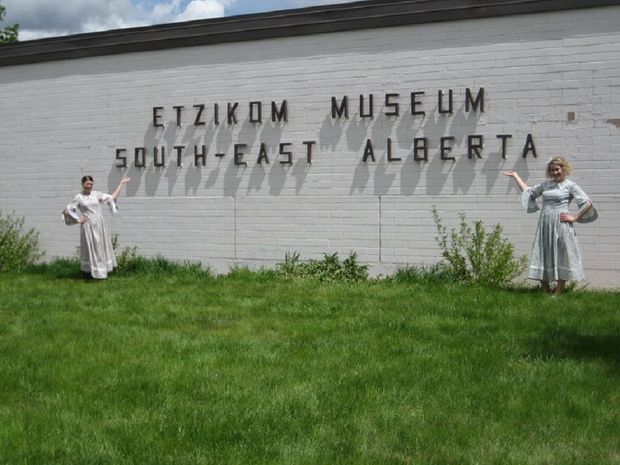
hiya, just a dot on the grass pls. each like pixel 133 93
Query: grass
pixel 250 368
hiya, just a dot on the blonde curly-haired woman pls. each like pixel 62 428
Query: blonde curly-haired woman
pixel 555 254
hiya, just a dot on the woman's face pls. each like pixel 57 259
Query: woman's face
pixel 557 172
pixel 87 186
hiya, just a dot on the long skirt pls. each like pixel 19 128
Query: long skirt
pixel 555 253
pixel 97 254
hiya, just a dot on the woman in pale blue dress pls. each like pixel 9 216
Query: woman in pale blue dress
pixel 555 254
pixel 96 252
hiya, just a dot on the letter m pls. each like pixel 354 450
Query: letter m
pixel 338 111
pixel 478 102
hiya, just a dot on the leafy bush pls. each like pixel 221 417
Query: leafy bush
pixel 330 268
pixel 475 255
pixel 19 247
pixel 127 257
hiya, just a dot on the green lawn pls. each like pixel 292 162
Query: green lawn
pixel 255 369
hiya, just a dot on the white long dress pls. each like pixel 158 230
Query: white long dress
pixel 555 253
pixel 96 252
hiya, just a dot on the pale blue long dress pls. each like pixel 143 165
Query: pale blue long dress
pixel 96 251
pixel 555 253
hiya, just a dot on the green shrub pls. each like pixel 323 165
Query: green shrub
pixel 475 255
pixel 128 256
pixel 19 247
pixel 330 268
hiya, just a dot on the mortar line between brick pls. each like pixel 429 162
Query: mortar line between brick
pixel 235 228
pixel 380 227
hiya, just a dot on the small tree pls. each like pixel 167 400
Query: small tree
pixel 8 34
pixel 19 246
pixel 475 255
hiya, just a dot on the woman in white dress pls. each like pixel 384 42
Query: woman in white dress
pixel 555 254
pixel 96 253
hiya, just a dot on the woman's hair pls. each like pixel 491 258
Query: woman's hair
pixel 87 178
pixel 560 161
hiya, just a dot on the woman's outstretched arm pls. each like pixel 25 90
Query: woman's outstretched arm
pixel 117 192
pixel 520 182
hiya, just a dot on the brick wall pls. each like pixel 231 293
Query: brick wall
pixel 551 75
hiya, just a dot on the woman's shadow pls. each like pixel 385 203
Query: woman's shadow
pixel 568 344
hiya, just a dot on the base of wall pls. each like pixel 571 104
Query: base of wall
pixel 595 279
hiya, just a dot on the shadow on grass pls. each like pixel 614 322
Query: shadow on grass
pixel 523 289
pixel 60 268
pixel 66 268
pixel 582 347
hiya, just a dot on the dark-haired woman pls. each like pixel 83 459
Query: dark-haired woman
pixel 96 253
pixel 555 254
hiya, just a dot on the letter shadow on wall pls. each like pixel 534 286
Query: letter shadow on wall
pixel 464 169
pixel 434 128
pixel 411 170
pixel 521 166
pixel 269 167
pixel 358 132
pixel 331 132
pixel 151 175
pixel 494 164
pixel 276 174
pixel 193 174
pixel 384 172
pixel 300 171
pixel 257 176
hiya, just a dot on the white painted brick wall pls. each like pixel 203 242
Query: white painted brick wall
pixel 61 120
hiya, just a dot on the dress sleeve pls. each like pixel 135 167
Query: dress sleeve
pixel 109 200
pixel 529 196
pixel 583 202
pixel 71 214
